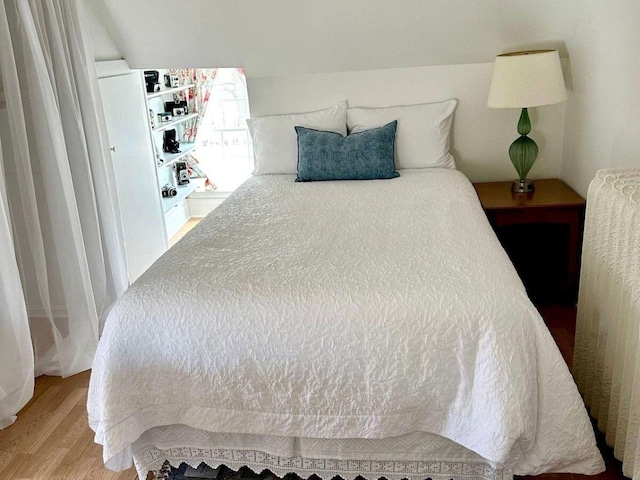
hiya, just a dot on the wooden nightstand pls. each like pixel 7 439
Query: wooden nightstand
pixel 542 233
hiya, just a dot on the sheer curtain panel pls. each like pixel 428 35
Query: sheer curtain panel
pixel 16 383
pixel 58 192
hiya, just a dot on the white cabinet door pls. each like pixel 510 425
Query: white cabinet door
pixel 133 161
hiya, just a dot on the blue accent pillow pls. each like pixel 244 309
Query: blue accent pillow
pixel 366 155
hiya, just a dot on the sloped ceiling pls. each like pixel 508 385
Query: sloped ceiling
pixel 277 37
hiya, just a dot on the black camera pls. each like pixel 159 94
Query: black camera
pixel 169 191
pixel 171 81
pixel 172 106
pixel 169 142
pixel 182 174
pixel 152 80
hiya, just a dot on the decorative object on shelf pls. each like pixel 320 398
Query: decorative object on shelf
pixel 171 81
pixel 168 191
pixel 163 117
pixel 182 174
pixel 181 106
pixel 152 119
pixel 521 80
pixel 169 143
pixel 151 79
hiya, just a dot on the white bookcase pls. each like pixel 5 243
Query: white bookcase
pixel 175 209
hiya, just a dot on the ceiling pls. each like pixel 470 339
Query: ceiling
pixel 277 37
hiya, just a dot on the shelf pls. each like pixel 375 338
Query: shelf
pixel 173 123
pixel 169 91
pixel 183 191
pixel 171 158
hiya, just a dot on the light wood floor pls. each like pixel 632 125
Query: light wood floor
pixel 192 222
pixel 51 439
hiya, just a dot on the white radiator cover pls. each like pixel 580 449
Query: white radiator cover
pixel 606 362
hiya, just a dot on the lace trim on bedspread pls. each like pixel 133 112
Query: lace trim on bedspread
pixel 152 458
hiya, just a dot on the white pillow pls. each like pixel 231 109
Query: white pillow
pixel 422 138
pixel 275 143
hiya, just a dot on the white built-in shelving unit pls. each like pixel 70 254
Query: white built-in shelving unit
pixel 175 209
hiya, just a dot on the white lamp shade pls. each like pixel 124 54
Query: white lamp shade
pixel 527 79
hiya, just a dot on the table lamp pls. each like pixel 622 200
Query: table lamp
pixel 522 80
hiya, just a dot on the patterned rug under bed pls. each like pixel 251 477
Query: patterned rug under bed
pixel 170 473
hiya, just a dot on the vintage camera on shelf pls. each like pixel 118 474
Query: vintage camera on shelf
pixel 169 191
pixel 164 117
pixel 177 106
pixel 171 81
pixel 169 142
pixel 181 173
pixel 152 80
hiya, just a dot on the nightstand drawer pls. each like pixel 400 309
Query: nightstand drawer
pixel 535 215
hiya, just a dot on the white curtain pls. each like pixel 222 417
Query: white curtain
pixel 16 383
pixel 59 194
pixel 606 361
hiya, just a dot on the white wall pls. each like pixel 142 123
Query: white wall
pixel 282 37
pixel 481 136
pixel 104 48
pixel 601 129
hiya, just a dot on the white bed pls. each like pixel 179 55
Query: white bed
pixel 307 327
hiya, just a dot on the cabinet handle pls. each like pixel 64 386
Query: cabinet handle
pixel 113 149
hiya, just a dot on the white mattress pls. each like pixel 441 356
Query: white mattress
pixel 366 309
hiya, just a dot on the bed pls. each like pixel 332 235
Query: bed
pixel 372 328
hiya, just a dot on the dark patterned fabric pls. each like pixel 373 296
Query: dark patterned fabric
pixel 228 474
pixel 242 474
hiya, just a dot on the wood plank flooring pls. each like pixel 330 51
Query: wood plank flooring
pixel 192 222
pixel 51 439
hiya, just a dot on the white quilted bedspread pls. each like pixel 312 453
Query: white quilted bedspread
pixel 361 309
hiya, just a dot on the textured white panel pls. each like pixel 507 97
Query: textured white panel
pixel 607 354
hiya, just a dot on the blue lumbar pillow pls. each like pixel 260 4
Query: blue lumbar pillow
pixel 366 155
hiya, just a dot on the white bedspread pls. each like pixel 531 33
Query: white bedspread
pixel 361 309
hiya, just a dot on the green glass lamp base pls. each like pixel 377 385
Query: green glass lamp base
pixel 523 152
pixel 522 186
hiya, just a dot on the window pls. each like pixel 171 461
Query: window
pixel 223 145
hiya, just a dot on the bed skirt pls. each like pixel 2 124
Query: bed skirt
pixel 416 456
